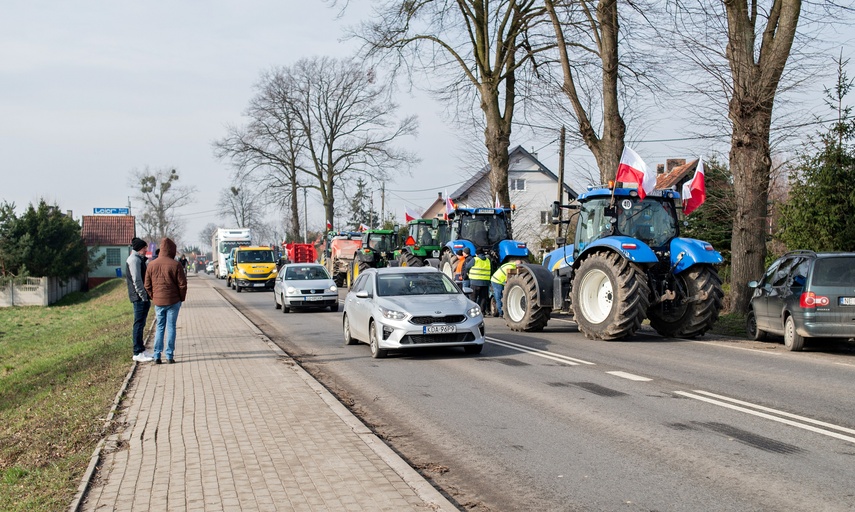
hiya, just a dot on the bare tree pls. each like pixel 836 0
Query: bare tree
pixel 267 151
pixel 207 234
pixel 346 116
pixel 745 47
pixel 242 206
pixel 482 40
pixel 161 197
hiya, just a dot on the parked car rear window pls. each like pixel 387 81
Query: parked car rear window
pixel 837 271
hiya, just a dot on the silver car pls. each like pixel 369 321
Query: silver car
pixel 399 308
pixel 304 285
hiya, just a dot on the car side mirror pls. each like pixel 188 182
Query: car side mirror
pixel 362 294
pixel 467 290
pixel 555 211
pixel 560 241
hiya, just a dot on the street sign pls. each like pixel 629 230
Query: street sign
pixel 112 211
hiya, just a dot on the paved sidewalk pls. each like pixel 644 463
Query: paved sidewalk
pixel 235 424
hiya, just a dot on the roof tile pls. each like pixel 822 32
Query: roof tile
pixel 103 230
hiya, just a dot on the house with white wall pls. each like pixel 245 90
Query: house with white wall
pixel 532 188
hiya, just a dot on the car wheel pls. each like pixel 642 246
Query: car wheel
pixel 473 349
pixel 276 302
pixel 751 327
pixel 374 343
pixel 348 338
pixel 792 340
pixel 285 308
pixel 238 288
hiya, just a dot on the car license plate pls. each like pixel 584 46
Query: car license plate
pixel 847 301
pixel 439 329
pixel 259 284
pixel 314 297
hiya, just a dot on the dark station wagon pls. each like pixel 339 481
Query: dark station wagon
pixel 804 294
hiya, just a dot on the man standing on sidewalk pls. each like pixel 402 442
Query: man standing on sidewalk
pixel 135 277
pixel 166 284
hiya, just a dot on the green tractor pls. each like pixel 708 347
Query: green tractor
pixel 378 251
pixel 425 240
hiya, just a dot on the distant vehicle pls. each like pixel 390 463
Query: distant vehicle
pixel 401 308
pixel 804 294
pixel 425 239
pixel 300 253
pixel 209 267
pixel 222 242
pixel 253 268
pixel 377 251
pixel 338 252
pixel 304 285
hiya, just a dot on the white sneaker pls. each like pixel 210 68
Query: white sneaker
pixel 143 358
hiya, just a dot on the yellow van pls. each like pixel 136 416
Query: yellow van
pixel 253 267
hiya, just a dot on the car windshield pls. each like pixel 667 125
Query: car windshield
pixel 483 230
pixel 836 271
pixel 424 234
pixel 306 273
pixel 433 283
pixel 259 256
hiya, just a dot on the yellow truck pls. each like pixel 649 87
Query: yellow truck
pixel 252 268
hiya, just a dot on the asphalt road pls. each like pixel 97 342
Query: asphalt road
pixel 553 421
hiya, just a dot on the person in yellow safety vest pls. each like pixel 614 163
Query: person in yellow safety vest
pixel 479 279
pixel 500 277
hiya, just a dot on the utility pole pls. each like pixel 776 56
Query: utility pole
pixel 382 203
pixel 561 139
pixel 305 218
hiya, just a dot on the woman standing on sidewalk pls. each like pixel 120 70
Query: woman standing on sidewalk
pixel 166 284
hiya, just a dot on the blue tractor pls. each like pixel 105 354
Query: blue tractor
pixel 480 228
pixel 627 263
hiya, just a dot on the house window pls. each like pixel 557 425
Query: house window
pixel 544 218
pixel 114 257
pixel 516 184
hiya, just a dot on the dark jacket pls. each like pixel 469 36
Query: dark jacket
pixel 165 280
pixel 467 264
pixel 135 277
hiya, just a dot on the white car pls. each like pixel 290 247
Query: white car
pixel 304 285
pixel 400 308
pixel 209 268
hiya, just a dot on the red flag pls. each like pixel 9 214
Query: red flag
pixel 363 227
pixel 329 225
pixel 449 206
pixel 695 190
pixel 410 214
pixel 632 169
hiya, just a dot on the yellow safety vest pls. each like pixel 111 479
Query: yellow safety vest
pixel 480 271
pixel 501 275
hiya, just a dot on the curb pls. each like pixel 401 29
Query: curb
pixel 83 488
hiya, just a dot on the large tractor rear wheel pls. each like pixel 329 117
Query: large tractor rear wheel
pixel 356 268
pixel 695 308
pixel 447 264
pixel 610 296
pixel 520 304
pixel 408 260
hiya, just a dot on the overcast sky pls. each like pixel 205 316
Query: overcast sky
pixel 92 90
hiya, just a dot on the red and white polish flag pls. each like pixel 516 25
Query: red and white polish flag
pixel 632 169
pixel 695 190
pixel 410 214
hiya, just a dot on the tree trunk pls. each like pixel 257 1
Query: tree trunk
pixel 749 156
pixel 497 140
pixel 295 207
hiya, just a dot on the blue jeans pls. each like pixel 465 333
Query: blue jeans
pixel 166 317
pixel 141 308
pixel 498 289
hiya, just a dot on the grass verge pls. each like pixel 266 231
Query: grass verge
pixel 60 369
pixel 732 324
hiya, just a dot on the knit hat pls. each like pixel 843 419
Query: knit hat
pixel 138 243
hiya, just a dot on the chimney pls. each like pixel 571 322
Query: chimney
pixel 660 168
pixel 671 163
pixel 68 213
pixel 440 195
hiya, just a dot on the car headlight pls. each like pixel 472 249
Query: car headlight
pixel 391 314
pixel 474 311
pixel 333 288
pixel 291 290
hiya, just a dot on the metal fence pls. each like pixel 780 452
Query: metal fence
pixel 37 291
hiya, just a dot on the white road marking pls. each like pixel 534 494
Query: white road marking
pixel 630 376
pixel 770 417
pixel 537 352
